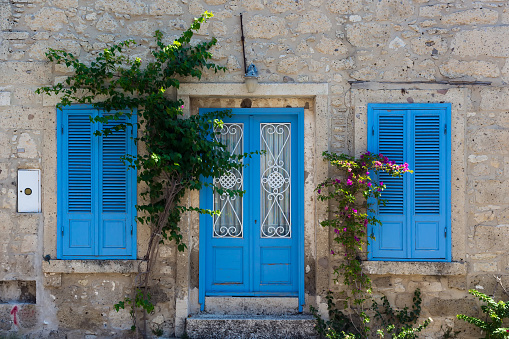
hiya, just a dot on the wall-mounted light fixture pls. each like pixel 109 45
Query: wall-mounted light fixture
pixel 251 78
pixel 251 73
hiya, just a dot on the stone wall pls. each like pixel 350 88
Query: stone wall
pixel 363 50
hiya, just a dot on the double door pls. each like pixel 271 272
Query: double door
pixel 253 247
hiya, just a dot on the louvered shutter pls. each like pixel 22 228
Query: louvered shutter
pixel 115 218
pixel 76 177
pixel 428 215
pixel 96 190
pixel 415 220
pixel 389 136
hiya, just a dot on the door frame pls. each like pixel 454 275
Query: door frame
pixel 299 206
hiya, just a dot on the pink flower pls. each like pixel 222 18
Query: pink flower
pixel 344 229
pixel 369 184
pixel 349 182
pixel 336 231
pixel 346 208
pixel 365 222
pixel 332 252
pixel 319 191
pixel 355 211
pixel 357 239
pixel 338 181
pixel 381 183
pixel 367 173
pixel 349 216
pixel 182 107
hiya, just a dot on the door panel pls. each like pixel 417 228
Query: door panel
pixel 251 248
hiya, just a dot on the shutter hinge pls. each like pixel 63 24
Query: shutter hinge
pixel 62 228
pixel 445 232
pixel 372 130
pixel 62 129
pixel 131 230
pixel 445 129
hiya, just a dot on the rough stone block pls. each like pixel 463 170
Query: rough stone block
pixel 314 22
pixel 52 279
pixel 368 34
pixel 450 307
pixel 48 18
pixel 265 27
pixel 478 69
pixel 495 98
pixel 25 73
pixel 487 41
pixel 478 16
pixel 491 238
pixel 5 98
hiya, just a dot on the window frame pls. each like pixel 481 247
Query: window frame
pixel 372 142
pixel 62 191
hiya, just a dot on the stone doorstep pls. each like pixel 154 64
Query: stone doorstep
pixel 212 326
pixel 252 305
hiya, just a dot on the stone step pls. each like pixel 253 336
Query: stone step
pixel 213 326
pixel 251 306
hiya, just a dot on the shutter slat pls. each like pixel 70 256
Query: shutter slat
pixel 114 176
pixel 79 140
pixel 391 145
pixel 427 164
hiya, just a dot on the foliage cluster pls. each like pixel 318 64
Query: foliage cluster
pixel 177 151
pixel 391 323
pixel 352 200
pixel 496 313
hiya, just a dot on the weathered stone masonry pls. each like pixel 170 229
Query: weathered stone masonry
pixel 332 57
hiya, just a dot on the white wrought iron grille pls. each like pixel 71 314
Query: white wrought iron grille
pixel 229 223
pixel 275 180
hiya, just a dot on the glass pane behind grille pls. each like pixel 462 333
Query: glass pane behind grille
pixel 229 223
pixel 275 180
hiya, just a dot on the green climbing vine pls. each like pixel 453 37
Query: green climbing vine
pixel 180 150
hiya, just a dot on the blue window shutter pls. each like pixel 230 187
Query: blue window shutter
pixel 116 184
pixel 76 203
pixel 428 215
pixel 96 191
pixel 389 137
pixel 415 227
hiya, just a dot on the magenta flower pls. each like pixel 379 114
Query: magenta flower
pixel 349 182
pixel 344 229
pixel 338 181
pixel 332 252
pixel 369 184
pixel 336 231
pixel 367 173
pixel 319 191
pixel 357 239
pixel 346 208
pixel 381 183
pixel 365 222
pixel 355 211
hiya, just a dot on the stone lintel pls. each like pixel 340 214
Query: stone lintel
pixel 263 90
pixel 414 268
pixel 93 266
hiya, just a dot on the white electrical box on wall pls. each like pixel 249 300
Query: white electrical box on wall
pixel 29 191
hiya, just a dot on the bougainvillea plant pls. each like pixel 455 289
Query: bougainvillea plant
pixel 352 197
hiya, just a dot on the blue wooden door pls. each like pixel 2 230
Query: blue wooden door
pixel 254 247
